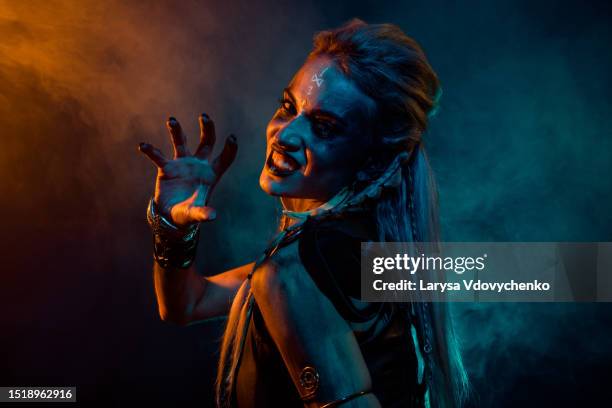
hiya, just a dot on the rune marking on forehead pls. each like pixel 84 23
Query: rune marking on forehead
pixel 317 79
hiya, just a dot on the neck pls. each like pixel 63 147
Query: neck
pixel 300 204
pixel 301 208
pixel 297 205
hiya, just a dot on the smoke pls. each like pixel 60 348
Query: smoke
pixel 83 83
pixel 520 147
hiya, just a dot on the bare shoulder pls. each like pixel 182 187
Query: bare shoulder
pixel 284 277
pixel 282 271
pixel 284 290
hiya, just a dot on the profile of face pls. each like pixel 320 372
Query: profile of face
pixel 319 136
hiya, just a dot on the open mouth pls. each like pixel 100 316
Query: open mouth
pixel 281 164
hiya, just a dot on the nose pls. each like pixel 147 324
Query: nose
pixel 289 138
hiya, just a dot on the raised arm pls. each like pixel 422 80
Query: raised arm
pixel 184 297
pixel 315 342
pixel 182 191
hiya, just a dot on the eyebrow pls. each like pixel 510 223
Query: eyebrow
pixel 288 92
pixel 314 113
pixel 320 113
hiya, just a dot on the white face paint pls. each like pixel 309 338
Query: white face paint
pixel 318 79
pixel 320 135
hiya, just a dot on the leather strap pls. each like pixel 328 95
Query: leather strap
pixel 346 399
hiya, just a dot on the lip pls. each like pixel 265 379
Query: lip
pixel 274 170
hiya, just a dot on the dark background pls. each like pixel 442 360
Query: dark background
pixel 521 148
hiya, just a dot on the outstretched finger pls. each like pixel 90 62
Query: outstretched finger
pixel 153 153
pixel 227 156
pixel 179 141
pixel 207 137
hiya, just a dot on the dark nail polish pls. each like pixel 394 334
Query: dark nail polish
pixel 142 145
pixel 232 138
pixel 205 116
pixel 172 120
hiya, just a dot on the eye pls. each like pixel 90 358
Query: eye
pixel 287 107
pixel 323 129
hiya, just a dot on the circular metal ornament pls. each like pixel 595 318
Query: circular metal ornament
pixel 309 381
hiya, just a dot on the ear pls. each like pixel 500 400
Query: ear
pixel 390 178
pixel 374 166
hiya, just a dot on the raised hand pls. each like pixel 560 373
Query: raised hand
pixel 184 184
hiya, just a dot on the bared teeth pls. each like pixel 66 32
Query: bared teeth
pixel 283 162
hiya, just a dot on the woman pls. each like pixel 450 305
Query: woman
pixel 345 156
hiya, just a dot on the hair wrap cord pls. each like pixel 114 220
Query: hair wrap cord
pixel 413 227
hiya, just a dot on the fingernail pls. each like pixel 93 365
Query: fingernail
pixel 142 145
pixel 232 138
pixel 172 121
pixel 205 116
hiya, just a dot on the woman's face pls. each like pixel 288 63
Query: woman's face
pixel 319 136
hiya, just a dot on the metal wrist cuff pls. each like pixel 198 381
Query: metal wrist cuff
pixel 173 246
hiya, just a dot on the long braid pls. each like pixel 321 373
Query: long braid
pixel 413 226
